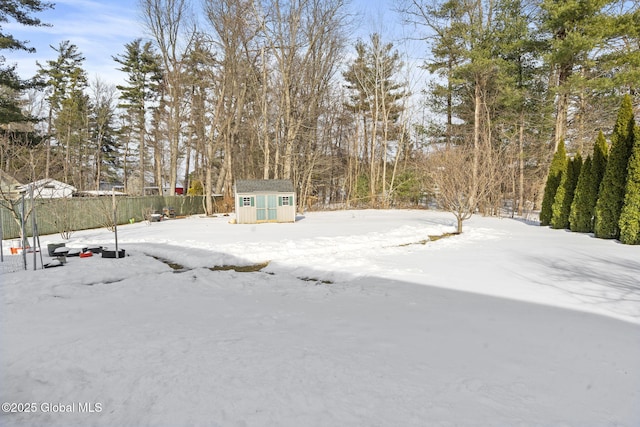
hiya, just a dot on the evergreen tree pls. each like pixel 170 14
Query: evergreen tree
pixel 141 63
pixel 599 165
pixel 10 91
pixel 572 29
pixel 65 80
pixel 72 132
pixel 21 11
pixel 583 40
pixel 559 198
pixel 630 215
pixel 376 98
pixel 580 216
pixel 586 196
pixel 564 196
pixel 11 85
pixel 103 135
pixel 557 168
pixel 612 188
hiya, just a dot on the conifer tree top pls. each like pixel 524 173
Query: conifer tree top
pixel 625 121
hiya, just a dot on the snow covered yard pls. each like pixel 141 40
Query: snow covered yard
pixel 354 322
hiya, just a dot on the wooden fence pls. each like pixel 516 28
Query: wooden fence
pixel 81 213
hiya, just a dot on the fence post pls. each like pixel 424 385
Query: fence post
pixel 115 219
pixel 23 233
pixel 1 235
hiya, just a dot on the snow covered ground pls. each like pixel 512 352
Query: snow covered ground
pixel 355 321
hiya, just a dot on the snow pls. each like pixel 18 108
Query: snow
pixel 355 321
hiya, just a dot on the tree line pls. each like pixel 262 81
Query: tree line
pixel 602 194
pixel 277 89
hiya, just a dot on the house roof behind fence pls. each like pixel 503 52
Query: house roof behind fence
pixel 48 183
pixel 264 186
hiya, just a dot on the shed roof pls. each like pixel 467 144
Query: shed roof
pixel 264 186
pixel 49 184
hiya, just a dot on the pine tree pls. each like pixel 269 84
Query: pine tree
pixel 376 98
pixel 574 29
pixel 141 63
pixel 11 85
pixel 612 188
pixel 580 216
pixel 564 196
pixel 558 166
pixel 630 215
pixel 21 11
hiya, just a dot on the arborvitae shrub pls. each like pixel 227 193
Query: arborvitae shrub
pixel 581 210
pixel 599 165
pixel 564 195
pixel 558 166
pixel 581 219
pixel 630 215
pixel 612 188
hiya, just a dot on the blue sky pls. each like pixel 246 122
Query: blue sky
pixel 100 29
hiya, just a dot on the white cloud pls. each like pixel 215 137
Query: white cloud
pixel 100 30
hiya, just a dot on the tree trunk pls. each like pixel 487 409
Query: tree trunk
pixel 562 106
pixel 187 165
pixel 521 165
pixel 47 166
pixel 158 161
pixel 476 138
pixel 265 119
pixel 142 150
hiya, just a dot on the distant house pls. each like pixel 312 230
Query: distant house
pixel 265 200
pixel 179 191
pixel 98 193
pixel 109 186
pixel 49 189
pixel 9 186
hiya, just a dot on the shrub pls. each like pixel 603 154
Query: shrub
pixel 581 209
pixel 558 166
pixel 564 195
pixel 630 214
pixel 612 188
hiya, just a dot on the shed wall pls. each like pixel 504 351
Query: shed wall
pixel 245 214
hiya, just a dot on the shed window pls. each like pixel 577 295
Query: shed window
pixel 246 201
pixel 285 201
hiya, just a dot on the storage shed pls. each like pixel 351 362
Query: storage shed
pixel 264 200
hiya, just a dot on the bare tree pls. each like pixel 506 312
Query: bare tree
pixel 235 28
pixel 306 39
pixel 169 23
pixel 456 186
pixel 204 114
